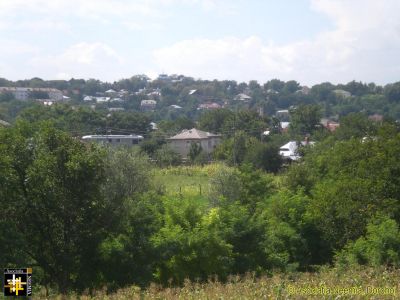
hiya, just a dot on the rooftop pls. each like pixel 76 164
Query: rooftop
pixel 4 123
pixel 193 134
pixel 119 136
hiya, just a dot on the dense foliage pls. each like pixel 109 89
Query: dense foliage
pixel 86 216
pixel 268 97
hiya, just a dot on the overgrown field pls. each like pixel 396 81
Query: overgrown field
pixel 362 283
pixel 191 180
pixel 186 180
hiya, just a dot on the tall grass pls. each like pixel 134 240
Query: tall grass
pixel 186 180
pixel 366 281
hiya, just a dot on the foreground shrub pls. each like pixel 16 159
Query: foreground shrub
pixel 380 246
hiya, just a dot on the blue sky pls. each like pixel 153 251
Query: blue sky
pixel 310 41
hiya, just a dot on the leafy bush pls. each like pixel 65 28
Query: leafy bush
pixel 165 157
pixel 265 157
pixel 191 243
pixel 380 246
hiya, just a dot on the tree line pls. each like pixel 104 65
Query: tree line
pixel 268 97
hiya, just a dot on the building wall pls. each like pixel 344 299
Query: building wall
pixel 183 146
pixel 147 107
pixel 115 141
pixel 22 93
pixel 56 95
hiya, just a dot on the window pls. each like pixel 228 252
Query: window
pixel 135 141
pixel 118 140
pixel 110 140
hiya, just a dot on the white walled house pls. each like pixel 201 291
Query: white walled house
pixel 24 93
pixel 148 105
pixel 182 142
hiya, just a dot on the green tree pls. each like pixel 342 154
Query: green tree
pixel 380 246
pixel 129 123
pixel 356 88
pixel 264 156
pixel 355 125
pixel 128 174
pixel 225 183
pixel 349 182
pixel 274 84
pixel 194 151
pixel 191 243
pixel 128 256
pixel 213 120
pixel 304 119
pixel 245 120
pixel 291 86
pixel 55 202
pixel 323 91
pixel 6 96
pixel 152 144
pixel 166 156
pixel 392 92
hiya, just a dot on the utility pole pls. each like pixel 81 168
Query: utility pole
pixel 234 138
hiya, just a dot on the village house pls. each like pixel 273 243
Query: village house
pixel 88 98
pixel 102 99
pixel 111 93
pixel 182 142
pixel 4 123
pixel 174 106
pixel 284 127
pixel 242 97
pixel 23 93
pixel 115 109
pixel 342 93
pixel 212 105
pixel 329 124
pixel 290 150
pixel 283 115
pixel 148 105
pixel 376 118
pixel 305 90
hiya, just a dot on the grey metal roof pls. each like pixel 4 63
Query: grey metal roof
pixel 193 134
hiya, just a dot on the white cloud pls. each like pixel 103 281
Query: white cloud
pixel 251 58
pixel 355 49
pixel 104 8
pixel 363 45
pixel 84 8
pixel 66 15
pixel 10 48
pixel 13 47
pixel 142 26
pixel 44 25
pixel 87 60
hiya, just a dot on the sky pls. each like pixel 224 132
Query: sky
pixel 310 41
